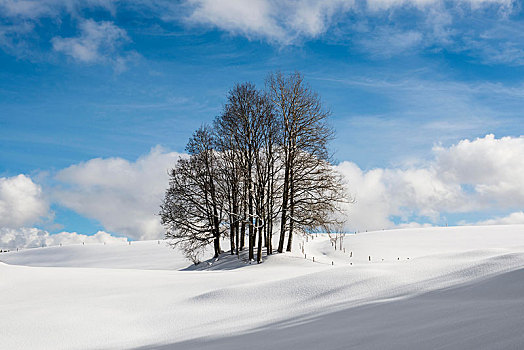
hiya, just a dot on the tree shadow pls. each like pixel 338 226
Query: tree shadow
pixel 226 261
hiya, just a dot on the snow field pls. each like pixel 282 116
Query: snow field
pixel 457 282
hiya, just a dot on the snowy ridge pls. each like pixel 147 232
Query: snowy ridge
pixel 461 287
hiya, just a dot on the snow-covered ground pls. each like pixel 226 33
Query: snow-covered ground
pixel 446 288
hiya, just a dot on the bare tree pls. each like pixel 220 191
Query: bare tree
pixel 265 160
pixel 237 128
pixel 308 178
pixel 191 211
pixel 230 178
pixel 248 136
pixel 265 143
pixel 318 194
pixel 336 235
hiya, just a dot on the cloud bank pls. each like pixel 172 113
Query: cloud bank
pixel 123 196
pixel 30 237
pixel 516 218
pixel 472 176
pixel 481 175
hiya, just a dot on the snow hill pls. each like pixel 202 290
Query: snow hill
pixel 446 288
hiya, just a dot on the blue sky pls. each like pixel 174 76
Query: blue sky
pixel 119 81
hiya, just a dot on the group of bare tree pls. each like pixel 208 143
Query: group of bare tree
pixel 263 167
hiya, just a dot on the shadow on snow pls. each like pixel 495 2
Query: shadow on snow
pixel 478 315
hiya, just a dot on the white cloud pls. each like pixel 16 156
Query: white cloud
pixel 372 208
pixel 483 174
pixel 377 5
pixel 278 21
pixel 26 8
pixel 391 26
pixel 286 21
pixel 312 18
pixel 97 42
pixel 123 196
pixel 480 175
pixel 482 29
pixel 246 18
pixel 497 42
pixel 470 176
pixel 413 224
pixel 21 24
pixel 35 9
pixel 11 38
pixel 381 5
pixel 512 219
pixel 494 167
pixel 21 202
pixel 30 237
pixel 387 42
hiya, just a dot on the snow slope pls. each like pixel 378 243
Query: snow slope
pixel 143 255
pixel 456 287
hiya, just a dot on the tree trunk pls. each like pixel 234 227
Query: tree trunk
pixel 290 237
pixel 292 211
pixel 265 234
pixel 232 235
pixel 270 202
pixel 251 228
pixel 252 244
pixel 217 231
pixel 243 229
pixel 259 248
pixel 269 246
pixel 284 211
pixel 243 235
pixel 216 244
pixel 236 236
